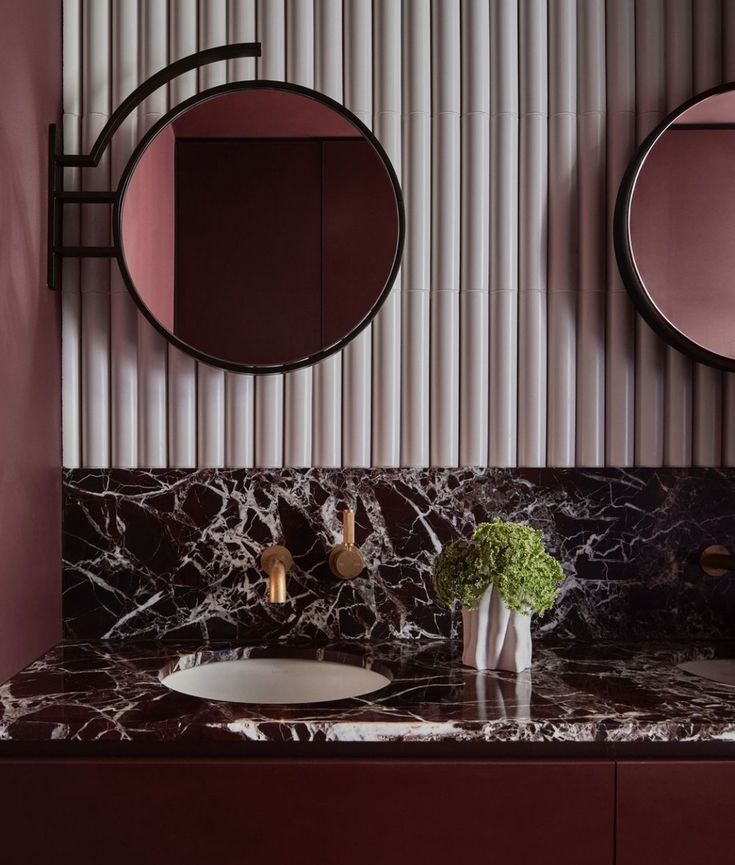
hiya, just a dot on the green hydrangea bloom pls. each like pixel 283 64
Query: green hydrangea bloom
pixel 510 557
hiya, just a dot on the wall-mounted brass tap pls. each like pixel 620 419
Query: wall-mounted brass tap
pixel 346 560
pixel 276 561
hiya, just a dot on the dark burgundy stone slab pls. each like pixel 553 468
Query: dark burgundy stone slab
pixel 174 553
pixel 608 693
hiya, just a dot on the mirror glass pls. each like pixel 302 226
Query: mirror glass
pixel 260 228
pixel 681 224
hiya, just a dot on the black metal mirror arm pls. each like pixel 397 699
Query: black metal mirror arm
pixel 149 86
pixel 59 160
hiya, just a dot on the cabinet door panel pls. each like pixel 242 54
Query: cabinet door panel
pixel 678 812
pixel 314 812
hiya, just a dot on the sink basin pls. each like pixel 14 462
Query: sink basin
pixel 275 679
pixel 717 670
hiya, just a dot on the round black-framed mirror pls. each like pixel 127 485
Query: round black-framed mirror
pixel 673 221
pixel 315 234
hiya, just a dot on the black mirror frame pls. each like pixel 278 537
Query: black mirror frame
pixel 624 250
pixel 58 197
pixel 162 123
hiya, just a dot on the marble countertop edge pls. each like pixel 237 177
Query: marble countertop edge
pixel 616 694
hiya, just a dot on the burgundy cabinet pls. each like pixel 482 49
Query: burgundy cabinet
pixel 314 812
pixel 677 813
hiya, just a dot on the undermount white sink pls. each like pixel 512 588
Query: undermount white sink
pixel 275 680
pixel 716 670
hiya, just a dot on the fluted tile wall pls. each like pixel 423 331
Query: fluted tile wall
pixel 508 338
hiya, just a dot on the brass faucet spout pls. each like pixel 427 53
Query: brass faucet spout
pixel 276 561
pixel 277 584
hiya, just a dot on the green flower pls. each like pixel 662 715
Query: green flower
pixel 508 556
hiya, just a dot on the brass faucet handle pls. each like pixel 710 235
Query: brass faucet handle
pixel 348 527
pixel 346 561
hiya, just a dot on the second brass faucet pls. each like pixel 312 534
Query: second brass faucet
pixel 346 560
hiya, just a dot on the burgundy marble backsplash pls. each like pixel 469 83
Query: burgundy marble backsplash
pixel 173 553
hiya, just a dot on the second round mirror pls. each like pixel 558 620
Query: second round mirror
pixel 674 227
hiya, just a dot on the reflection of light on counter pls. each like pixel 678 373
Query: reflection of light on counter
pixel 490 696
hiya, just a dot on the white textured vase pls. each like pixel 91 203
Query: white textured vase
pixel 496 638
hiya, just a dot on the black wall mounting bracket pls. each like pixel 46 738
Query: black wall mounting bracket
pixel 58 160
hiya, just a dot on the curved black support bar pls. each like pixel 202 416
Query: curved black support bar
pixel 131 102
pixel 57 197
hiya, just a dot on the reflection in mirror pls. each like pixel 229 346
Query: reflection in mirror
pixel 261 228
pixel 681 225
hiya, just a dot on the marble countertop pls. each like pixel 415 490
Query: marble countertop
pixel 603 694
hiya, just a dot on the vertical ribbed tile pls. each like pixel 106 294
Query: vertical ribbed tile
pixel 503 402
pixel 728 379
pixel 240 389
pixel 678 367
pixel 416 163
pixel 182 369
pixel 532 231
pixel 271 30
pixel 152 347
pixel 298 419
pixel 327 375
pixel 71 319
pixel 95 273
pixel 620 329
pixel 183 40
pixel 300 42
pixel 386 380
pixel 213 22
pixel 123 311
pixel 241 28
pixel 468 315
pixel 445 249
pixel 707 394
pixel 239 426
pixel 707 19
pixel 475 235
pixel 678 53
pixel 591 106
pixel 650 99
pixel 211 381
pixel 357 356
pixel 562 240
pixel 271 65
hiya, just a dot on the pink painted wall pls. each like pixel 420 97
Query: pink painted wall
pixel 682 229
pixel 30 379
pixel 148 227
